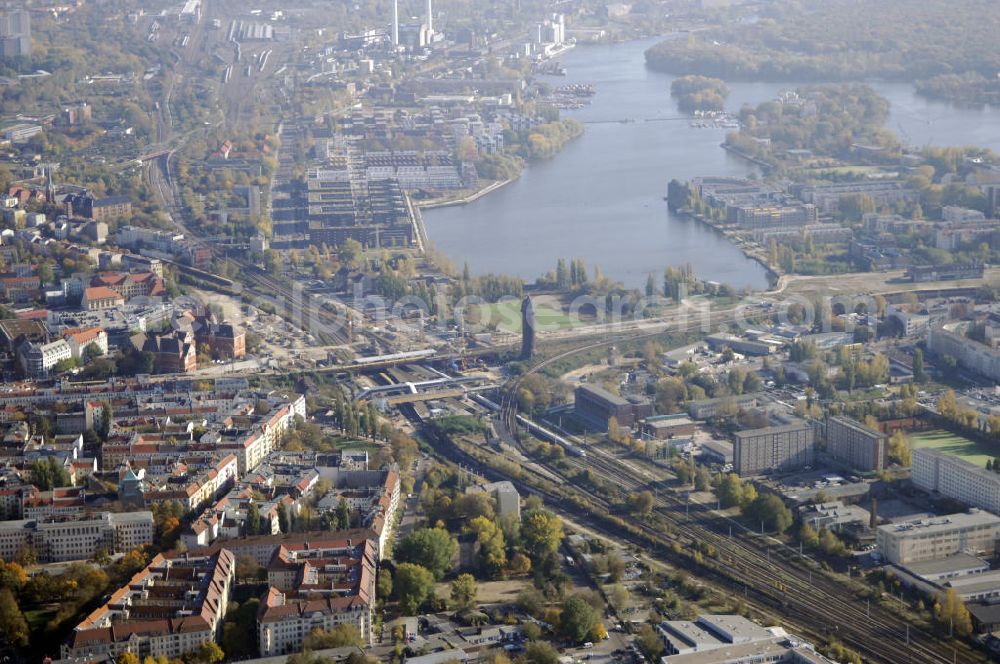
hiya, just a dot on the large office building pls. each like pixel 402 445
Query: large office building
pixel 597 406
pixel 732 639
pixel 778 448
pixel 955 478
pixel 168 609
pixel 62 538
pixel 15 33
pixel 856 445
pixel 938 537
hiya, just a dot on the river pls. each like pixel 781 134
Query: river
pixel 601 198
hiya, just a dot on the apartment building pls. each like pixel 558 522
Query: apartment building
pixel 777 448
pixel 168 609
pixel 938 537
pixel 302 601
pixel 79 339
pixel 851 442
pixel 955 478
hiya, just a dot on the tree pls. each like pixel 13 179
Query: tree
pixel 772 512
pixel 48 474
pixel 209 653
pixel 12 576
pixel 283 524
pixel 253 519
pixel 614 430
pixel 128 657
pixel 730 490
pixel 542 533
pixel 413 585
pixel 541 652
pixel 247 568
pixel 13 626
pixel 383 586
pixel 492 545
pixel 106 421
pixel 649 642
pixel 899 449
pixel 642 503
pixel 918 366
pixel 577 619
pixel 808 536
pixel 619 597
pixel 702 479
pixel 431 548
pixel 464 591
pixel 339 636
pixel 342 520
pixel 520 564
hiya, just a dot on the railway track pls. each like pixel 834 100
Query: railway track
pixel 818 604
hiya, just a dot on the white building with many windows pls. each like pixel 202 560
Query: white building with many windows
pixel 938 537
pixel 955 478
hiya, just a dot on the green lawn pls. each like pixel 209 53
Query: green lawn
pixel 949 443
pixel 507 316
pixel 38 618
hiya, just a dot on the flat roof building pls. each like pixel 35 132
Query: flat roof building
pixel 778 448
pixel 939 537
pixel 597 406
pixel 956 478
pixel 858 446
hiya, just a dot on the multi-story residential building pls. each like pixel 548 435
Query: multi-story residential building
pixel 951 339
pixel 860 447
pixel 168 609
pixel 298 572
pixel 956 478
pixel 938 537
pixel 201 488
pixel 827 197
pixel 773 216
pixel 15 33
pixel 60 501
pixel 68 537
pixel 777 448
pixel 79 339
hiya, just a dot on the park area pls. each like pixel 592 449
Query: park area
pixel 949 443
pixel 506 316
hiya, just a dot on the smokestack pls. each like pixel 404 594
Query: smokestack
pixel 395 23
pixel 430 18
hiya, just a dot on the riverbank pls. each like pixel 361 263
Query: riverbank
pixel 757 256
pixel 471 198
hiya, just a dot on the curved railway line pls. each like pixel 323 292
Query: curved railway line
pixel 804 598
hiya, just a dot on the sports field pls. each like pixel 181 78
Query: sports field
pixel 507 316
pixel 950 443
